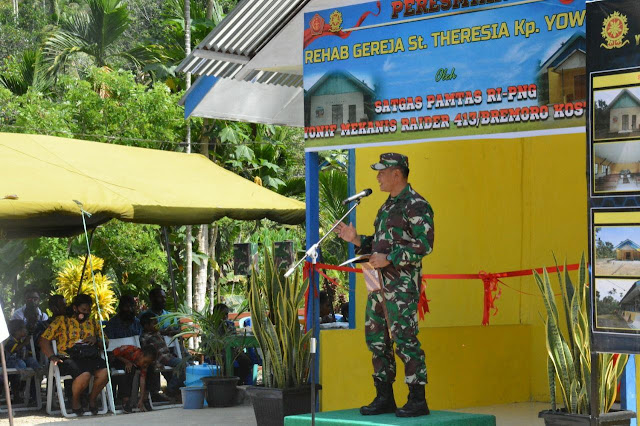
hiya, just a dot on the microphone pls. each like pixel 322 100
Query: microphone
pixel 357 196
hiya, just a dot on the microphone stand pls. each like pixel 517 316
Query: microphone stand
pixel 312 253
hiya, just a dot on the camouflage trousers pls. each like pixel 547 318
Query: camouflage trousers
pixel 402 310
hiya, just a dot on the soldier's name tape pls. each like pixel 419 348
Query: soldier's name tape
pixel 491 282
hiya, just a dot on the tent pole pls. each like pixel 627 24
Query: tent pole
pixel 5 376
pixel 93 280
pixel 170 267
pixel 86 259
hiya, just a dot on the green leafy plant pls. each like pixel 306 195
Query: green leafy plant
pixel 569 353
pixel 211 330
pixel 274 302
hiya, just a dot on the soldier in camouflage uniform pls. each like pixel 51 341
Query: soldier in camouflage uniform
pixel 403 236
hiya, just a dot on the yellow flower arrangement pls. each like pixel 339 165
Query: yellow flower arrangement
pixel 68 280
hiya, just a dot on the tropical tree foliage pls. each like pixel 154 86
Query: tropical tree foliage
pixel 94 31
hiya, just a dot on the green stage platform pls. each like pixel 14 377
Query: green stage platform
pixel 353 417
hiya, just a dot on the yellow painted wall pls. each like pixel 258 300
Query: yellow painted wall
pixel 500 205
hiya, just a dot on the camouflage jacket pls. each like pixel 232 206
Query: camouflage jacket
pixel 404 232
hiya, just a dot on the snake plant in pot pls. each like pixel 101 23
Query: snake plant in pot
pixel 274 301
pixel 569 355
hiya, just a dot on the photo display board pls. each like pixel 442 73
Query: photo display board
pixel 410 71
pixel 613 138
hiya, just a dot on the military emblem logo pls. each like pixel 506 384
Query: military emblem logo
pixel 317 25
pixel 335 22
pixel 614 29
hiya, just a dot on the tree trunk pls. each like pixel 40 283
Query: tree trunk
pixel 189 244
pixel 213 8
pixel 213 239
pixel 203 242
pixel 202 268
pixel 54 11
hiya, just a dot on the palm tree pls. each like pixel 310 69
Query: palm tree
pixel 31 73
pixel 95 32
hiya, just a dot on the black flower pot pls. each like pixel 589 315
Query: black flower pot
pixel 271 405
pixel 562 418
pixel 221 391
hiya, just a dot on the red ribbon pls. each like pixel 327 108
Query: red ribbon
pixel 492 290
pixel 491 293
pixel 310 37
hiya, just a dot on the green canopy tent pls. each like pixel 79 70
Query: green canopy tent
pixel 57 187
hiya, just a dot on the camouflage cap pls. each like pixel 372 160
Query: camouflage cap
pixel 391 159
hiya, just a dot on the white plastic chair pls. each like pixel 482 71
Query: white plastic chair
pixel 27 390
pixel 55 379
pixel 113 344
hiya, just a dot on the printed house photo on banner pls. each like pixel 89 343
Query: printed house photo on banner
pixel 618 303
pixel 616 167
pixel 617 251
pixel 616 113
pixel 339 97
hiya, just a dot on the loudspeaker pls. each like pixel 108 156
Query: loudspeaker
pixel 283 255
pixel 245 256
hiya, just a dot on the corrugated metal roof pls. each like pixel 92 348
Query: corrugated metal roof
pixel 239 37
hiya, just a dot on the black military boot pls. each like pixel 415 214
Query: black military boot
pixel 416 405
pixel 383 402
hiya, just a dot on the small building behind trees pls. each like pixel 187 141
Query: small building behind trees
pixel 628 250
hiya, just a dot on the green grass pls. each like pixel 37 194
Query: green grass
pixel 453 131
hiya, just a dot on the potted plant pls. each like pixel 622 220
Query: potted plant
pixel 211 329
pixel 274 302
pixel 569 357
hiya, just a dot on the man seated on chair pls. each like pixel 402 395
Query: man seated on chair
pixel 57 306
pixel 151 336
pixel 245 365
pixel 131 358
pixel 125 323
pixel 18 357
pixel 78 339
pixel 158 302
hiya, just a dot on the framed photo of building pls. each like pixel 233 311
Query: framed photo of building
pixel 615 167
pixel 618 304
pixel 616 113
pixel 617 251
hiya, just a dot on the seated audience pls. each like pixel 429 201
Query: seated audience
pixel 125 323
pixel 245 365
pixel 158 301
pixel 78 355
pixel 30 312
pixel 17 354
pixel 344 311
pixel 57 306
pixel 132 358
pixel 326 314
pixel 151 336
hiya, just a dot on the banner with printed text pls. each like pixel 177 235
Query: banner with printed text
pixel 422 70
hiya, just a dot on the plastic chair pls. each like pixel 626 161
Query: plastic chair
pixel 55 379
pixel 114 344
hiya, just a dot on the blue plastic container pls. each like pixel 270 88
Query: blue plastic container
pixel 193 397
pixel 196 372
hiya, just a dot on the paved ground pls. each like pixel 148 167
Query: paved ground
pixel 621 268
pixel 240 415
pixel 612 321
pixel 521 414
